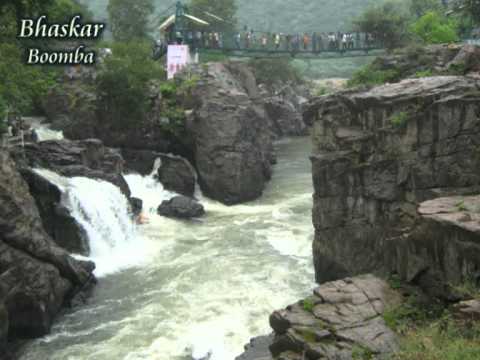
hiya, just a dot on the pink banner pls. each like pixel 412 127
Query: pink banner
pixel 177 59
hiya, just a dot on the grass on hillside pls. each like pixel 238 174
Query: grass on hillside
pixel 429 331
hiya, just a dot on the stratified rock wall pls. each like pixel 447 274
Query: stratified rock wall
pixel 39 277
pixel 377 155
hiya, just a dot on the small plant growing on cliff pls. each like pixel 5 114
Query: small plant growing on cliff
pixel 399 119
pixel 362 353
pixel 423 74
pixel 308 305
pixel 461 206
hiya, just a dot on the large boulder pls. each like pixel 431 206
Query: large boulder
pixel 181 207
pixel 176 174
pixel 286 119
pixel 40 276
pixel 232 142
pixel 377 155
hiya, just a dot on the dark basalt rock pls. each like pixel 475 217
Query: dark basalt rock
pixel 232 140
pixel 181 207
pixel 177 175
pixel 87 158
pixel 39 276
pixel 139 161
pixel 286 119
pixel 258 349
pixel 137 206
pixel 56 219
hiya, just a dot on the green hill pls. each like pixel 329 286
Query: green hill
pixel 277 15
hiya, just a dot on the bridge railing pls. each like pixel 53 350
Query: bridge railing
pixel 274 42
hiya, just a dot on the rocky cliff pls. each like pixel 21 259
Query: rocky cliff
pixel 377 155
pixel 38 276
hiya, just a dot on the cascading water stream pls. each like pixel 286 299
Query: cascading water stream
pixel 202 287
pixel 102 210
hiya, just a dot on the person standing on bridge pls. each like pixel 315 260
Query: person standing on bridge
pixel 288 40
pixel 264 41
pixel 306 41
pixel 238 39
pixel 277 41
pixel 314 42
pixel 247 40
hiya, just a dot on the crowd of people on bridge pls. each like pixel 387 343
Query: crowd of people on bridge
pixel 301 42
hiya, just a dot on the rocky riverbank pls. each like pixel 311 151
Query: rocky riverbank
pixel 230 124
pixel 38 277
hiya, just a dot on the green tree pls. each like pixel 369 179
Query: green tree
pixel 226 10
pixel 3 113
pixel 421 7
pixel 123 84
pixel 469 8
pixel 387 22
pixel 129 19
pixel 434 28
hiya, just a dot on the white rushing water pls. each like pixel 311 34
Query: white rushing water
pixel 102 210
pixel 43 130
pixel 202 287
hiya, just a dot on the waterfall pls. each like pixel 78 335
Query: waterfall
pixel 102 210
pixel 43 131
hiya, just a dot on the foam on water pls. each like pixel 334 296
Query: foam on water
pixel 208 285
pixel 43 130
pixel 102 210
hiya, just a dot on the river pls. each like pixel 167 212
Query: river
pixel 177 290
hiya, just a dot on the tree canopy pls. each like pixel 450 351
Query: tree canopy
pixel 434 28
pixel 421 7
pixel 387 22
pixel 129 19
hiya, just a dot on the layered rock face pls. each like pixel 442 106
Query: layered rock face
pixel 38 276
pixel 341 320
pixel 380 153
pixel 232 143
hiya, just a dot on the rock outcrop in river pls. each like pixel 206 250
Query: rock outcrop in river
pixel 378 154
pixel 38 276
pixel 232 143
pixel 341 320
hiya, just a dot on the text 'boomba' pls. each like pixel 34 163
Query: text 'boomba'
pixel 73 30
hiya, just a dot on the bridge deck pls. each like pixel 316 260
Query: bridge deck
pixel 325 54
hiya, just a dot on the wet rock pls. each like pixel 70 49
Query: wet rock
pixel 39 276
pixel 181 207
pixel 87 158
pixel 338 319
pixel 137 205
pixel 177 175
pixel 232 142
pixel 56 218
pixel 380 153
pixel 258 349
pixel 140 161
pixel 286 119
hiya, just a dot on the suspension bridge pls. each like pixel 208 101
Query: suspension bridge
pixel 204 38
